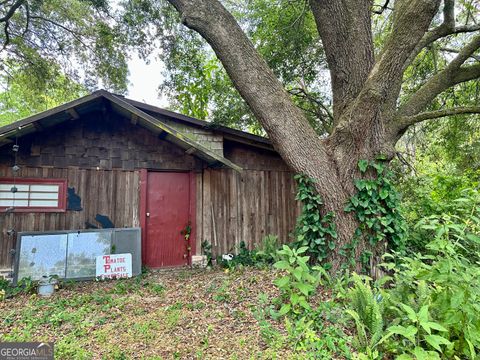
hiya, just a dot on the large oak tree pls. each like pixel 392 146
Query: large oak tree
pixel 368 118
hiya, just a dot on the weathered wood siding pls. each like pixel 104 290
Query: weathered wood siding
pixel 101 156
pixel 251 158
pixel 113 193
pixel 105 141
pixel 246 207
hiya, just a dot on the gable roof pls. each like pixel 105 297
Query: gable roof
pixel 229 133
pixel 102 99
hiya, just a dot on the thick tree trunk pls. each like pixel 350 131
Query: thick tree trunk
pixel 337 192
pixel 346 224
pixel 365 91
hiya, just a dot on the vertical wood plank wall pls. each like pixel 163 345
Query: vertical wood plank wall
pixel 246 207
pixel 114 193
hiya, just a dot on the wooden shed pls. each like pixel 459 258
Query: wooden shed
pixel 107 161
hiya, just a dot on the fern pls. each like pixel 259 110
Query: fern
pixel 366 310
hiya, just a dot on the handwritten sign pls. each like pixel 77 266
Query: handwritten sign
pixel 114 266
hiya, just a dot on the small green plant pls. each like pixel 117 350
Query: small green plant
pixel 157 289
pixel 299 281
pixel 187 231
pixel 315 341
pixel 24 286
pixel 245 257
pixel 420 332
pixel 267 251
pixel 222 294
pixel 207 251
pixel 366 310
pixel 315 232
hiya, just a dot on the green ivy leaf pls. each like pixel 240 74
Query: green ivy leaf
pixel 363 165
pixel 383 194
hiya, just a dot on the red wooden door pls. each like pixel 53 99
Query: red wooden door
pixel 168 204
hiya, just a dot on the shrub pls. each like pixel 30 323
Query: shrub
pixel 299 281
pixel 267 251
pixel 432 301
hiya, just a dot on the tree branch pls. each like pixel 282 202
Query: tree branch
pixel 382 8
pixel 12 10
pixel 453 74
pixel 35 17
pixel 27 21
pixel 436 85
pixel 411 20
pixel 407 121
pixel 301 92
pixel 445 29
pixel 456 51
pixel 345 30
pixel 286 125
pixel 7 34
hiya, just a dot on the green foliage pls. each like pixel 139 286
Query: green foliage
pixel 86 40
pixel 309 329
pixel 315 232
pixel 365 308
pixel 315 340
pixel 447 283
pixel 377 208
pixel 285 35
pixel 263 255
pixel 207 251
pixel 418 330
pixel 442 198
pixel 299 281
pixel 26 95
pixel 245 257
pixel 431 300
pixel 267 250
pixel 24 286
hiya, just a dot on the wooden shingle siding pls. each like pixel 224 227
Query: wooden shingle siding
pixel 246 207
pixel 207 138
pixel 251 158
pixel 113 193
pixel 103 156
pixel 108 143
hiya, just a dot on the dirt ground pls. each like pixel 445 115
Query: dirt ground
pixel 176 314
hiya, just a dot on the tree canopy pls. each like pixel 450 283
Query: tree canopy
pixel 332 83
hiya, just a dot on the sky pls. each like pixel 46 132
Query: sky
pixel 144 78
pixel 144 81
